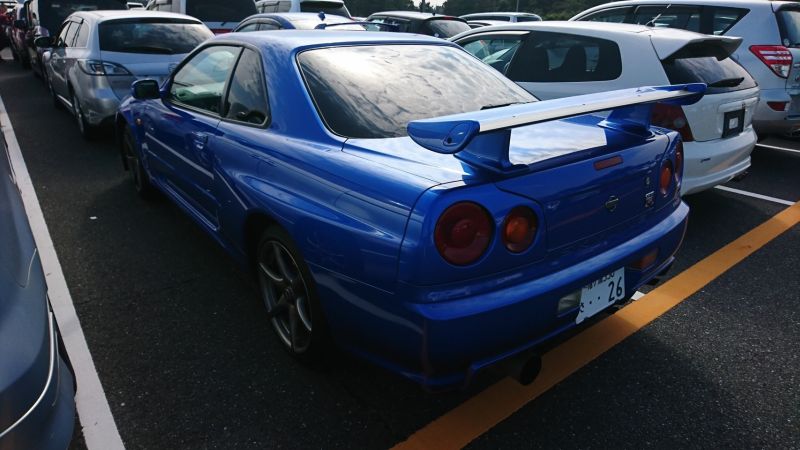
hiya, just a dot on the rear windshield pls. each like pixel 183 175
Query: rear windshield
pixel 374 91
pixel 53 12
pixel 334 8
pixel 220 11
pixel 444 28
pixel 720 76
pixel 789 24
pixel 155 36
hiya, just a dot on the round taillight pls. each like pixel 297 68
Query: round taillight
pixel 679 159
pixel 665 178
pixel 519 229
pixel 463 233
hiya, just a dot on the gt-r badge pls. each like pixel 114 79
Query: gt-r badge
pixel 650 199
pixel 612 203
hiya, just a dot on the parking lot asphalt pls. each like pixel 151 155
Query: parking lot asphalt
pixel 187 360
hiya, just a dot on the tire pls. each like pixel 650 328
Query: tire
pixel 290 297
pixel 86 129
pixel 139 175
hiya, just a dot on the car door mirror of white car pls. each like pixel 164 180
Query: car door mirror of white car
pixel 43 42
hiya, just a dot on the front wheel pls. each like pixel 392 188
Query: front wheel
pixel 290 297
pixel 139 176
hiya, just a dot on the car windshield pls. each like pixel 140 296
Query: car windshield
pixel 789 20
pixel 444 28
pixel 374 91
pixel 220 11
pixel 336 8
pixel 53 12
pixel 157 36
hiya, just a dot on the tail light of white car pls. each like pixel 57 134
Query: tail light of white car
pixel 99 68
pixel 672 117
pixel 777 57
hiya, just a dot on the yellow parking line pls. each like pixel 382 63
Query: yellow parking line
pixel 479 414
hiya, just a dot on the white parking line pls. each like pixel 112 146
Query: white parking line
pixel 99 430
pixel 775 147
pixel 754 195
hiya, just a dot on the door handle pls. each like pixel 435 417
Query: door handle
pixel 199 140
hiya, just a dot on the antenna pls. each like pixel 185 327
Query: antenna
pixel 652 21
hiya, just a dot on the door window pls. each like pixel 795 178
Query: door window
pixel 64 35
pixel 612 15
pixel 561 57
pixel 247 97
pixel 268 25
pixel 669 16
pixel 82 38
pixel 253 26
pixel 495 50
pixel 200 83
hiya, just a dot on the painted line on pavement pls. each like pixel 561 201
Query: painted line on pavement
pixel 754 195
pixel 476 416
pixel 99 429
pixel 775 147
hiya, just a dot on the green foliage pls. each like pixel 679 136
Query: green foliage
pixel 548 9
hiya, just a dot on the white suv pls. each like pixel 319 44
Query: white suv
pixel 562 59
pixel 770 50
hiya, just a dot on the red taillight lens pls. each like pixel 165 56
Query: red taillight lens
pixel 519 229
pixel 778 106
pixel 665 179
pixel 463 233
pixel 672 117
pixel 679 159
pixel 218 31
pixel 776 57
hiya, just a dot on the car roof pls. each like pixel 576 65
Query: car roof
pixel 289 40
pixel 411 15
pixel 749 3
pixel 500 14
pixel 567 26
pixel 292 16
pixel 104 15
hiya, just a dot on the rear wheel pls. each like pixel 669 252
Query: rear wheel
pixel 290 297
pixel 139 176
pixel 86 130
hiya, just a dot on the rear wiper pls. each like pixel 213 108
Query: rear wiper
pixel 150 49
pixel 501 105
pixel 727 82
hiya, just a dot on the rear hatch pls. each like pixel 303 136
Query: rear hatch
pixel 444 27
pixel 728 106
pixel 147 47
pixel 581 199
pixel 788 17
pixel 221 16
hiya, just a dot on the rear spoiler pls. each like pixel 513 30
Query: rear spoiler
pixel 482 138
pixel 667 46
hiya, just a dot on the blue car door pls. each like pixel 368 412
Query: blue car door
pixel 181 130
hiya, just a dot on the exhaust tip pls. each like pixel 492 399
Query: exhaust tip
pixel 741 176
pixel 524 368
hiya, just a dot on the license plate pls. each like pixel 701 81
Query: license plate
pixel 734 123
pixel 601 294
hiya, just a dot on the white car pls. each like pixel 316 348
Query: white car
pixel 562 59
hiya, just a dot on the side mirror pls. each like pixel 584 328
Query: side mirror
pixel 20 24
pixel 43 42
pixel 145 90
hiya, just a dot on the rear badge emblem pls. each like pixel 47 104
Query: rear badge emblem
pixel 612 203
pixel 650 199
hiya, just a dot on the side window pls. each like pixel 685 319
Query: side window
pixel 613 15
pixel 253 26
pixel 247 97
pixel 73 31
pixel 496 51
pixel 558 57
pixel 284 6
pixel 268 25
pixel 61 40
pixel 83 36
pixel 723 19
pixel 669 16
pixel 200 83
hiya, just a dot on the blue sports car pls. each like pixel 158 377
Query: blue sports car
pixel 398 197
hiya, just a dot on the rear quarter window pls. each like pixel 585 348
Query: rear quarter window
pixel 789 25
pixel 669 16
pixel 723 19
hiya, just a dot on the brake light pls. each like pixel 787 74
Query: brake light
pixel 778 106
pixel 672 117
pixel 519 229
pixel 776 57
pixel 463 233
pixel 665 179
pixel 218 31
pixel 679 160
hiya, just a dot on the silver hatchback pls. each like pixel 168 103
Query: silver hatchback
pixel 96 56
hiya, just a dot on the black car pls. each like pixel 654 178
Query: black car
pixel 45 17
pixel 421 23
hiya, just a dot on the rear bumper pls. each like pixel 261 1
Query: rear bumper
pixel 710 163
pixel 443 344
pixel 768 121
pixel 49 422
